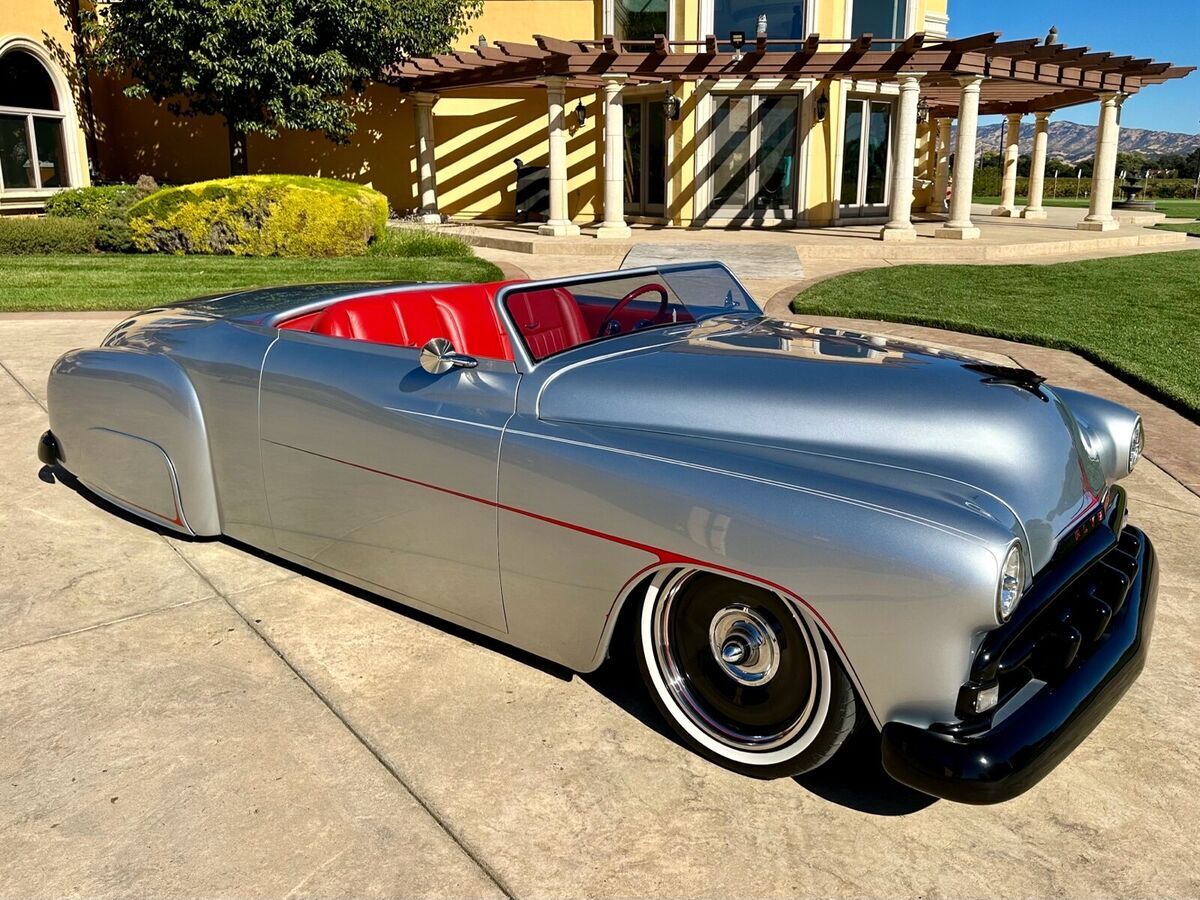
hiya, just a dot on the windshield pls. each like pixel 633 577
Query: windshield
pixel 553 317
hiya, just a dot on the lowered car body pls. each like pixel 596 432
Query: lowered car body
pixel 807 526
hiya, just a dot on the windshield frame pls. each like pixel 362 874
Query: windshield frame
pixel 525 360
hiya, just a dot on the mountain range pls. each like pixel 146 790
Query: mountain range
pixel 1073 142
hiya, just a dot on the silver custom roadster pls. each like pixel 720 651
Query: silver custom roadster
pixel 800 528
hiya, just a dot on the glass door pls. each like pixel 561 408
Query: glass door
pixel 645 157
pixel 753 168
pixel 866 157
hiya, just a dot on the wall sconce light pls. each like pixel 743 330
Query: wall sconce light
pixel 671 104
pixel 482 42
pixel 738 39
pixel 822 107
pixel 580 113
pixel 923 110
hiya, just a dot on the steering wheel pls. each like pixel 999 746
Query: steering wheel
pixel 611 325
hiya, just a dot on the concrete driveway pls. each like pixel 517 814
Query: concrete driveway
pixel 189 718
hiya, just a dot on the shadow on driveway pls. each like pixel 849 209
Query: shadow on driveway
pixel 854 778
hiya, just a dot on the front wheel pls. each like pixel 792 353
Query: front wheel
pixel 742 674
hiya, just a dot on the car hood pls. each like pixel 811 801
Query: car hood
pixel 908 409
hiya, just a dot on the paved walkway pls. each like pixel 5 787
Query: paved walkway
pixel 189 718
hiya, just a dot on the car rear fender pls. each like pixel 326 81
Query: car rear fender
pixel 129 425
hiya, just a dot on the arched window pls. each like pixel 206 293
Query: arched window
pixel 32 142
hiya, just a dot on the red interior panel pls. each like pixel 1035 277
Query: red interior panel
pixel 465 314
pixel 302 323
pixel 549 320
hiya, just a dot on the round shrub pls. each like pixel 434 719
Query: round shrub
pixel 260 215
pixel 100 202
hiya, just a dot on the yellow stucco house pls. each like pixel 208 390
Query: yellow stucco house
pixel 673 112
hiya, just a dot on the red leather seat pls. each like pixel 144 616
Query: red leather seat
pixel 549 320
pixel 465 314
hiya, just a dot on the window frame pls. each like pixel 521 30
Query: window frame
pixel 35 158
pixel 708 17
pixel 910 25
pixel 609 14
pixel 70 174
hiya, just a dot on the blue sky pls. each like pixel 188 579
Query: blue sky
pixel 1167 30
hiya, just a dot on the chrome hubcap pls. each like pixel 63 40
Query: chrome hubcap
pixel 739 663
pixel 744 645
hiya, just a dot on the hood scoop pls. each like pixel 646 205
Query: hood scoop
pixel 1011 375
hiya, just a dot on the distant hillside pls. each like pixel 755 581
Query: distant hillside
pixel 1074 142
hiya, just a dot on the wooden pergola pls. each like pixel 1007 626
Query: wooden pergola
pixel 952 78
pixel 1022 76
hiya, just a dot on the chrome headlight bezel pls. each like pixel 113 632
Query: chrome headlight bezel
pixel 1137 443
pixel 1011 583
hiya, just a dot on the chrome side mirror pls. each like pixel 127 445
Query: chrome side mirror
pixel 439 356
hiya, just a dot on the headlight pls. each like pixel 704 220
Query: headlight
pixel 1136 443
pixel 1008 592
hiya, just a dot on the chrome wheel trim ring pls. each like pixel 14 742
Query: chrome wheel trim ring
pixel 666 679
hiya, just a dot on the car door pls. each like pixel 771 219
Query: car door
pixel 379 470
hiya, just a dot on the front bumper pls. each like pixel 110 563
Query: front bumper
pixel 1081 642
pixel 47 449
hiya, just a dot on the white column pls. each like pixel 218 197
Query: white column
pixel 614 225
pixel 960 226
pixel 941 169
pixel 559 224
pixel 1037 166
pixel 426 163
pixel 1008 181
pixel 1104 166
pixel 899 226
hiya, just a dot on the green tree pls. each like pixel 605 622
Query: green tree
pixel 269 65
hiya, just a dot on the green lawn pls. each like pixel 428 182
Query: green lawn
pixel 128 281
pixel 1138 316
pixel 1183 209
pixel 1192 228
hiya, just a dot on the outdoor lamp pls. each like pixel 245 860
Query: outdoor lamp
pixel 482 42
pixel 923 110
pixel 738 39
pixel 671 104
pixel 822 107
pixel 580 113
pixel 761 30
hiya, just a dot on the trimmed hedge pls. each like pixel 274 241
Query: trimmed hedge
pixel 25 236
pixel 261 215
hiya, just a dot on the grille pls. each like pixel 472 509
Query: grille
pixel 1068 613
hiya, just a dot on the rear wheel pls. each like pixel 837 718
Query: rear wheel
pixel 742 673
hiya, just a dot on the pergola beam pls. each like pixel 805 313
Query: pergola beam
pixel 1020 75
pixel 968 44
pixel 853 53
pixel 905 52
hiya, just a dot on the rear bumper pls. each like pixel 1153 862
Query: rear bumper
pixel 995 760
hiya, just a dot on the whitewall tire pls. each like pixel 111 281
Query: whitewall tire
pixel 742 673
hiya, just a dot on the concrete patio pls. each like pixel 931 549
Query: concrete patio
pixel 774 261
pixel 191 718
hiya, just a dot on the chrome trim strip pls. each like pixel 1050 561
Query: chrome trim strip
pixel 425 415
